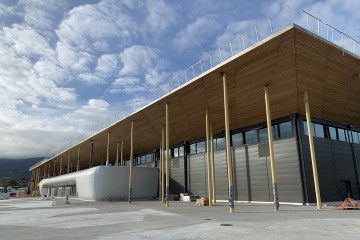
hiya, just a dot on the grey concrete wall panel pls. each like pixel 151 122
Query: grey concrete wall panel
pixel 221 180
pixel 177 181
pixel 259 174
pixel 252 175
pixel 242 183
pixel 287 171
pixel 344 168
pixel 197 174
pixel 325 167
pixel 335 165
pixel 357 159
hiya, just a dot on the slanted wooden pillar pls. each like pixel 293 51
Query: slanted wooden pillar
pixel 212 164
pixel 61 163
pixel 108 149
pixel 78 160
pixel 209 182
pixel 68 163
pixel 122 154
pixel 131 159
pixel 167 156
pixel 162 164
pixel 271 149
pixel 117 154
pixel 312 151
pixel 91 162
pixel 228 147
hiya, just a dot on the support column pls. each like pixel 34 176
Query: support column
pixel 44 174
pixel 122 154
pixel 78 160
pixel 312 151
pixel 91 162
pixel 162 164
pixel 160 171
pixel 68 164
pixel 117 154
pixel 212 164
pixel 271 149
pixel 54 170
pixel 108 149
pixel 49 170
pixel 167 155
pixel 131 159
pixel 228 149
pixel 208 156
pixel 61 162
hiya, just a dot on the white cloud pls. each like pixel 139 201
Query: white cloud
pixel 197 33
pixel 160 16
pixel 142 69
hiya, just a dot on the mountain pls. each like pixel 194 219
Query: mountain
pixel 17 168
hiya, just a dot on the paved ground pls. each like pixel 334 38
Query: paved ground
pixel 36 218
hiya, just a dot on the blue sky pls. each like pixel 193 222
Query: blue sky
pixel 65 65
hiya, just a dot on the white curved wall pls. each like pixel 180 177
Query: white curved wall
pixel 107 182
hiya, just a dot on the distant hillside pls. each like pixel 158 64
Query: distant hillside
pixel 17 168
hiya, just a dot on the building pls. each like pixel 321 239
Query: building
pixel 287 64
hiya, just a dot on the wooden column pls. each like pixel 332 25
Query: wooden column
pixel 228 147
pixel 61 163
pixel 312 151
pixel 44 174
pixel 162 164
pixel 49 170
pixel 271 149
pixel 212 164
pixel 122 154
pixel 91 161
pixel 117 154
pixel 167 155
pixel 68 164
pixel 78 160
pixel 131 159
pixel 54 170
pixel 208 156
pixel 108 149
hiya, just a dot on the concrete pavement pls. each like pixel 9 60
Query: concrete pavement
pixel 36 218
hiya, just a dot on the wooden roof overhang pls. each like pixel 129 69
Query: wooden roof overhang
pixel 290 61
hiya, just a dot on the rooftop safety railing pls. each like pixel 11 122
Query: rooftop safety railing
pixel 243 41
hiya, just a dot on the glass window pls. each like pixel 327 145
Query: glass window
pixel 176 152
pixel 285 129
pixel 149 158
pixel 276 131
pixel 355 137
pixel 143 159
pixel 220 143
pixel 341 133
pixel 319 130
pixel 193 148
pixel 251 137
pixel 181 151
pixel 305 128
pixel 200 147
pixel 332 132
pixel 237 139
pixel 263 135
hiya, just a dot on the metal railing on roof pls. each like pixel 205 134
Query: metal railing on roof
pixel 243 41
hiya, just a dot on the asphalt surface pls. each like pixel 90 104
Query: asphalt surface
pixel 36 218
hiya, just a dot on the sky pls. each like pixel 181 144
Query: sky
pixel 67 65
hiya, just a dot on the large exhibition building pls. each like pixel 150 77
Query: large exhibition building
pixel 214 130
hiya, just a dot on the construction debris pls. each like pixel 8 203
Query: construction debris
pixel 348 204
pixel 202 202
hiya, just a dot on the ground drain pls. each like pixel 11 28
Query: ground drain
pixel 207 219
pixel 226 225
